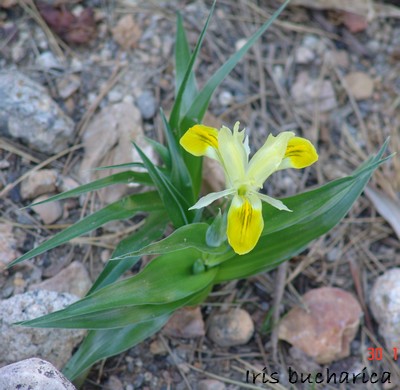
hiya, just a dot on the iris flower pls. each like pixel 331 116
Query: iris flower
pixel 245 178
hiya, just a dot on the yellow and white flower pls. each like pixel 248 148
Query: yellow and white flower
pixel 245 178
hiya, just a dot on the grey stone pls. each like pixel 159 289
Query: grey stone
pixel 147 104
pixel 33 374
pixel 18 343
pixel 27 112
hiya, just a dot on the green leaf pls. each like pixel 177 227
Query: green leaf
pixel 153 229
pixel 180 176
pixel 128 177
pixel 122 209
pixel 111 318
pixel 161 150
pixel 199 106
pixel 175 205
pixel 96 345
pixel 188 236
pixel 314 213
pixel 101 344
pixel 167 283
pixel 185 95
pixel 119 166
pixel 216 232
pixel 177 107
pixel 182 59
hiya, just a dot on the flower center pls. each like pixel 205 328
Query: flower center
pixel 242 190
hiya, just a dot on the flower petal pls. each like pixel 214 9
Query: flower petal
pixel 273 202
pixel 209 198
pixel 300 153
pixel 201 140
pixel 234 150
pixel 268 158
pixel 245 223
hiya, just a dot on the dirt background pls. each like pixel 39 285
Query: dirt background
pixel 297 77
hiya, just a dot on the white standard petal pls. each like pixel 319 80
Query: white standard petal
pixel 273 202
pixel 209 198
pixel 268 158
pixel 233 154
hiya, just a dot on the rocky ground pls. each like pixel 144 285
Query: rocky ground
pixel 80 79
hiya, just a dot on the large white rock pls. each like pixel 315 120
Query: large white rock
pixel 385 306
pixel 33 374
pixel 18 342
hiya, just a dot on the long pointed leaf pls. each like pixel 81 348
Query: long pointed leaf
pixel 200 104
pixel 97 345
pixel 166 283
pixel 175 205
pixel 122 209
pixel 176 109
pixel 180 176
pixel 314 218
pixel 128 177
pixel 188 236
pixel 152 230
pixel 182 59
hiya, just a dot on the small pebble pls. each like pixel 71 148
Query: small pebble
pixel 157 347
pixel 8 245
pixel 48 212
pixel 240 43
pixel 73 279
pixel 211 384
pixel 225 98
pixel 360 85
pixel 186 323
pixel 234 327
pixel 39 183
pixel 67 86
pixel 114 96
pixel 147 104
pixel 47 60
pixel 304 55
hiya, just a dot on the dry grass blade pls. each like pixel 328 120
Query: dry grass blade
pixel 30 8
pixel 387 207
pixel 10 186
pixel 368 8
pixel 9 147
pixel 173 357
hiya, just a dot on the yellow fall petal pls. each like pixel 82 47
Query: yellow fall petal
pixel 245 223
pixel 300 153
pixel 201 140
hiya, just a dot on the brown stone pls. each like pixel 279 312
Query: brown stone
pixel 325 326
